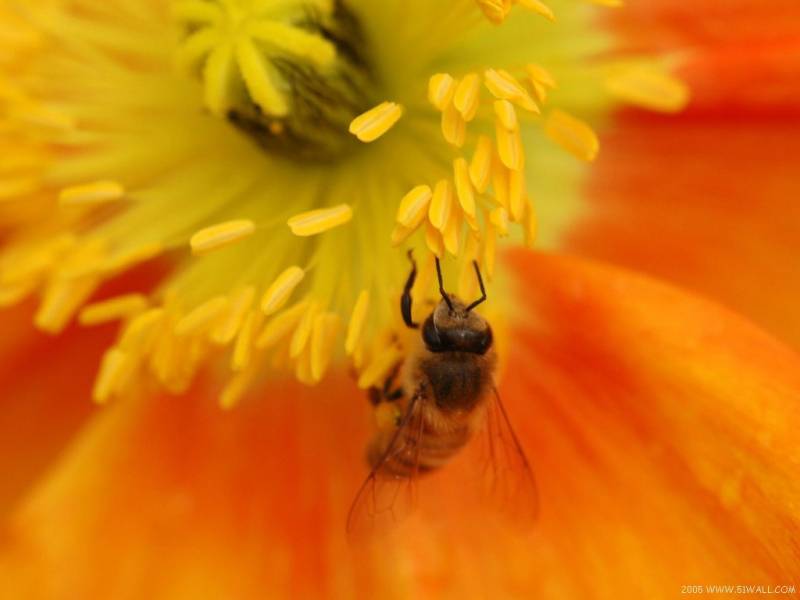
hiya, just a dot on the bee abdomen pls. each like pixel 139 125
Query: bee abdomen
pixel 421 451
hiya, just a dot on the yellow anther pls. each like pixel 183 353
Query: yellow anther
pixel 141 332
pixel 451 236
pixel 400 234
pixel 509 147
pixel 454 127
pixel 228 326
pixel 62 299
pixel 441 204
pixel 323 339
pixel 113 309
pixel 506 114
pixel 355 327
pixel 320 220
pixel 245 340
pixel 113 366
pixel 466 99
pixel 480 169
pixel 499 218
pixel 530 225
pixel 464 190
pixel 572 134
pixel 649 87
pixel 379 368
pixel 414 206
pixel 303 331
pixel 281 289
pixel 505 86
pixel 516 195
pixel 489 250
pixel 371 125
pixel 236 388
pixel 433 239
pixel 281 325
pixel 201 317
pixel 538 7
pixel 441 88
pixel 221 235
pixel 500 180
pixel 98 192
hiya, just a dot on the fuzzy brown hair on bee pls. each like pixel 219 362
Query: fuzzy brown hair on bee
pixel 440 396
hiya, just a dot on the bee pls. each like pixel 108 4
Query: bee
pixel 443 394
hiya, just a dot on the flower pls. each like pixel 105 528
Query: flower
pixel 243 152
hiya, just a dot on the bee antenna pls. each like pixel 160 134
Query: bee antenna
pixel 480 283
pixel 441 285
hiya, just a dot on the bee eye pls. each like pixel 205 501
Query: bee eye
pixel 431 337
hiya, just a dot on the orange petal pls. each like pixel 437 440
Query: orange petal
pixel 707 203
pixel 737 56
pixel 661 427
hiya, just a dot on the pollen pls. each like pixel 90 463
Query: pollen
pixel 221 235
pixel 355 327
pixel 648 86
pixel 317 221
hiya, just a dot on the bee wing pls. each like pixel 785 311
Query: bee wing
pixel 508 478
pixel 384 497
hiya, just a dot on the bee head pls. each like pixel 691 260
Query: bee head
pixel 454 327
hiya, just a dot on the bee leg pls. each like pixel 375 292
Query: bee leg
pixel 405 299
pixel 388 394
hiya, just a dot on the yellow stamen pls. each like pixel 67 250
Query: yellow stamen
pixel 221 235
pixel 281 325
pixel 500 178
pixel 323 339
pixel 202 317
pixel 400 234
pixel 509 147
pixel 303 331
pixel 243 348
pixel 236 388
pixel 356 325
pixel 140 334
pixel 441 88
pixel 650 88
pixel 506 114
pixel 530 225
pixel 451 235
pixel 539 8
pixel 505 86
pixel 414 206
pixel 62 300
pixel 490 250
pixel 93 193
pixel 454 127
pixel 371 125
pixel 281 289
pixel 441 205
pixel 433 239
pixel 480 168
pixel 379 368
pixel 499 218
pixel 113 309
pixel 516 195
pixel 572 134
pixel 466 96
pixel 464 191
pixel 320 220
pixel 238 305
pixel 113 366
